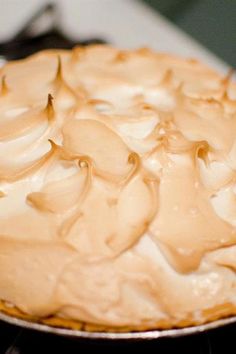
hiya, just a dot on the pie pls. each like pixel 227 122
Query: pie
pixel 117 190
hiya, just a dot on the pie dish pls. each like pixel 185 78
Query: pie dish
pixel 117 190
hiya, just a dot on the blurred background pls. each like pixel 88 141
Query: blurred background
pixel 212 22
pixel 205 29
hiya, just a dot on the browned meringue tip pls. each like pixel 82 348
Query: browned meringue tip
pixel 58 79
pixel 121 56
pixel 4 87
pixel 202 151
pixel 59 76
pixel 180 89
pixel 225 83
pixel 49 108
pixel 54 145
pixel 2 194
pixel 167 78
pixel 144 51
pixel 135 160
pixel 77 53
pixel 84 162
pixel 226 80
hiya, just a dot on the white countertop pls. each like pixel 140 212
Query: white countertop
pixel 124 23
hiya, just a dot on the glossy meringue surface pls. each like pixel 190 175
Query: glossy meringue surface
pixel 117 188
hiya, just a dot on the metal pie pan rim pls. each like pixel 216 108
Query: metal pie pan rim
pixel 151 334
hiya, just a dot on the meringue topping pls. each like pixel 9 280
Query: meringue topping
pixel 117 187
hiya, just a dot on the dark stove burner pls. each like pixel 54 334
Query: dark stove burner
pixel 32 37
pixel 14 340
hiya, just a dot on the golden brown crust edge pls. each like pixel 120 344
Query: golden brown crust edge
pixel 210 315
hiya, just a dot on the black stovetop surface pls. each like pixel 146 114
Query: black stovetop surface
pixel 14 340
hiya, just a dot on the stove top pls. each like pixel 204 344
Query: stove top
pixel 14 340
pixel 41 31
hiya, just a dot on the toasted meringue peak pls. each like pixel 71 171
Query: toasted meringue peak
pixel 59 76
pixel 49 108
pixel 117 188
pixel 121 56
pixel 167 78
pixel 4 87
pixel 226 80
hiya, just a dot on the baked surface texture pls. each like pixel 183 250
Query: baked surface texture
pixel 117 190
